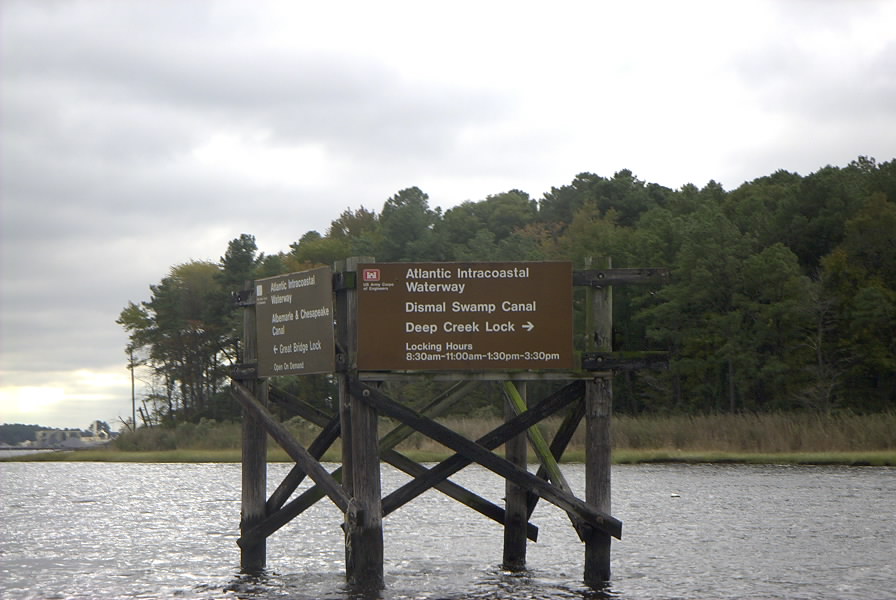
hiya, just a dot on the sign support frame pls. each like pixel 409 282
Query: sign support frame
pixel 589 391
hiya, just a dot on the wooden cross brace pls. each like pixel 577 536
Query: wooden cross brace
pixel 280 512
pixel 480 452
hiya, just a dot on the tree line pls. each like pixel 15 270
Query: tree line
pixel 781 296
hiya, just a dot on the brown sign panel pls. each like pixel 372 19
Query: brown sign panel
pixel 294 317
pixel 465 316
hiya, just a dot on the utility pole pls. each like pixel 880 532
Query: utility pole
pixel 133 393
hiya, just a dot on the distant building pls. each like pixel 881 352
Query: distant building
pixel 100 432
pixel 58 438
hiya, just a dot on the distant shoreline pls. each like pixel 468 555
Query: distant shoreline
pixel 12 452
pixel 621 457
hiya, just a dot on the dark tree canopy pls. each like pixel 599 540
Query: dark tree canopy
pixel 782 296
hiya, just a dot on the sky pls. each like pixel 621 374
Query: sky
pixel 136 135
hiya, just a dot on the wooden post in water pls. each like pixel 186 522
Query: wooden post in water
pixel 516 497
pixel 360 451
pixel 254 450
pixel 598 448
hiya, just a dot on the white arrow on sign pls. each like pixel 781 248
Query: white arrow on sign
pixel 528 326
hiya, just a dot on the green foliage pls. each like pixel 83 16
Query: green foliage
pixel 406 227
pixel 861 275
pixel 13 434
pixel 782 295
pixel 187 335
pixel 312 249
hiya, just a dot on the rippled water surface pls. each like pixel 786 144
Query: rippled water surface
pixel 84 530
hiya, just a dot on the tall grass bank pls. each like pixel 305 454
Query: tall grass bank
pixel 780 437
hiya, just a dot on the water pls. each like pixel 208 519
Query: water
pixel 84 530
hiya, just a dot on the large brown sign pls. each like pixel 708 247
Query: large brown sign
pixel 294 317
pixel 465 316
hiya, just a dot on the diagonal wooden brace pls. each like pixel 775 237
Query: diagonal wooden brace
pixel 561 440
pixel 491 440
pixel 296 475
pixel 547 459
pixel 473 452
pixel 457 492
pixel 278 518
pixel 296 451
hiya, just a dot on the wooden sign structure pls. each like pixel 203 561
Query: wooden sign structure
pixel 471 321
pixel 294 321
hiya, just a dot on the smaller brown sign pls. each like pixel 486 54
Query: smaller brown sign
pixel 465 316
pixel 294 318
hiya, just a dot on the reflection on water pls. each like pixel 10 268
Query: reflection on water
pixel 82 530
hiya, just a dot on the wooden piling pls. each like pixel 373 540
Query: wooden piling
pixel 360 454
pixel 598 408
pixel 253 558
pixel 516 497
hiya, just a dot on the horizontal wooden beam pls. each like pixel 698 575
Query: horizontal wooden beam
pixel 243 298
pixel 244 371
pixel 624 361
pixel 526 375
pixel 597 278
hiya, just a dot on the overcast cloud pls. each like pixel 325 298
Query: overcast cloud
pixel 136 135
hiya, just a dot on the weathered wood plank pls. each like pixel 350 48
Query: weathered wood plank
pixel 436 407
pixel 364 520
pixel 491 440
pixel 295 450
pixel 312 495
pixel 543 452
pixel 441 403
pixel 310 413
pixel 327 436
pixel 481 376
pixel 253 557
pixel 561 440
pixel 536 439
pixel 624 361
pixel 285 514
pixel 598 401
pixel 599 278
pixel 457 492
pixel 515 451
pixel 597 475
pixel 474 452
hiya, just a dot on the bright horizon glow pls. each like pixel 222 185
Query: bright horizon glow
pixel 72 401
pixel 31 400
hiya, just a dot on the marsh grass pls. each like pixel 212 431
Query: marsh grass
pixel 758 433
pixel 723 433
pixel 794 438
